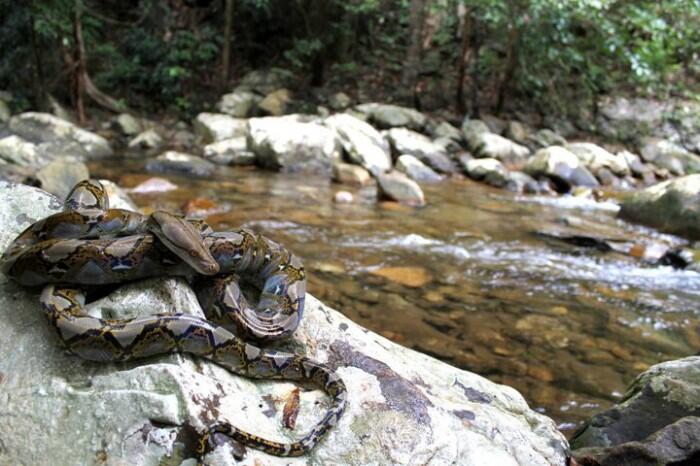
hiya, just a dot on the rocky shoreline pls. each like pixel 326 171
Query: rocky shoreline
pixel 397 149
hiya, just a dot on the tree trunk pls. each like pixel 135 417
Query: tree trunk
pixel 38 85
pixel 460 106
pixel 509 67
pixel 409 75
pixel 474 67
pixel 226 48
pixel 79 63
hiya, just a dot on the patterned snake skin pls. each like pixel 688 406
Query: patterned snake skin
pixel 90 244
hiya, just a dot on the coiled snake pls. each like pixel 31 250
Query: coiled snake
pixel 90 244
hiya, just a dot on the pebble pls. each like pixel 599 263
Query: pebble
pixel 343 197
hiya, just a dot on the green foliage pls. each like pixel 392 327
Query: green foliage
pixel 551 54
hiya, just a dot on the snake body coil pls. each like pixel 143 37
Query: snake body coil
pixel 90 244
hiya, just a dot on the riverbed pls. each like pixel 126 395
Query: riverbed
pixel 476 278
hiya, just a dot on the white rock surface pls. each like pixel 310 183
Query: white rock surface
pixel 232 151
pixel 491 145
pixel 213 127
pixel 404 408
pixel 45 128
pixel 17 151
pixel 287 144
pixel 595 157
pixel 405 141
pixel 363 144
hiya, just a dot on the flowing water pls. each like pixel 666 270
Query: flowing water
pixel 466 280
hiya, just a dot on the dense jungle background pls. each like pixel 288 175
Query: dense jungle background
pixel 549 56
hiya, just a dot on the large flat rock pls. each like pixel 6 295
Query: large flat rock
pixel 403 407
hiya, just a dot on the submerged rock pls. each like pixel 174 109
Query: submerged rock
pixel 672 206
pixel 179 162
pixel 405 141
pixel 288 145
pixel 659 415
pixel 398 187
pixel 363 144
pixel 403 407
pixel 64 136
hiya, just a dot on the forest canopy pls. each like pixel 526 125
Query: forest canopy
pixel 466 55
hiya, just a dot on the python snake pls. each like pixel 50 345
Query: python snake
pixel 90 244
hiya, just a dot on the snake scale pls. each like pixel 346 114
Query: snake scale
pixel 90 244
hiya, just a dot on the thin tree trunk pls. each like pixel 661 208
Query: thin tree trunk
pixel 226 49
pixel 509 68
pixel 409 75
pixel 474 68
pixel 462 65
pixel 39 86
pixel 79 60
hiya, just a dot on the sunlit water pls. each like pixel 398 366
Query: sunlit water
pixel 569 327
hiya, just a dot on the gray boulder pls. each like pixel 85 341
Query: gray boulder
pixel 16 151
pixel 489 170
pixel 595 157
pixel 403 407
pixel 128 124
pixel 213 127
pixel 398 187
pixel 60 134
pixel 672 206
pixel 363 144
pixel 392 116
pixel 232 151
pixel 416 170
pixel 147 140
pixel 179 162
pixel 275 103
pixel 350 174
pixel 561 166
pixel 59 176
pixel 286 144
pixel 264 81
pixel 339 101
pixel 405 141
pixel 472 128
pixel 5 113
pixel 659 398
pixel 545 138
pixel 490 145
pixel 444 130
pixel 238 104
pixel 666 154
pixel 518 132
pixel 520 182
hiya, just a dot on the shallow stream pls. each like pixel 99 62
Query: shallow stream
pixel 466 280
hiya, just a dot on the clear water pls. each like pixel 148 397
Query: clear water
pixel 569 327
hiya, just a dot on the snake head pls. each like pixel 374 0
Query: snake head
pixel 180 237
